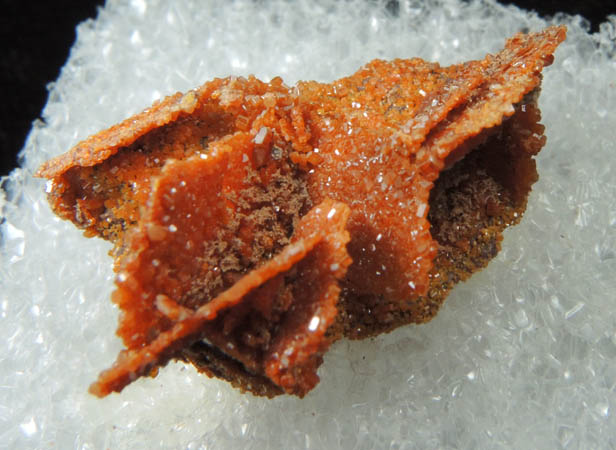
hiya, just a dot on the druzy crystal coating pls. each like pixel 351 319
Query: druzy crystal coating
pixel 255 223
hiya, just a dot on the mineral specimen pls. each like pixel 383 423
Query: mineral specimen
pixel 254 223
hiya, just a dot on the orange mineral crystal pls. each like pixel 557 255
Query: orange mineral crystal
pixel 253 224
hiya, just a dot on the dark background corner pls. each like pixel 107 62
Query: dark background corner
pixel 36 38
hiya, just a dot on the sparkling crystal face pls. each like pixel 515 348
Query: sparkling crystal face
pixel 227 243
pixel 527 344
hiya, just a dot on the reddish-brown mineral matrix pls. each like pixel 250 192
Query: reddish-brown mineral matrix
pixel 230 208
pixel 317 249
pixel 383 136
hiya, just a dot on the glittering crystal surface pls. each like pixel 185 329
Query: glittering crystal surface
pixel 528 344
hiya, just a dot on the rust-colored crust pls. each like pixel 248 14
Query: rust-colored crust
pixel 288 361
pixel 254 223
pixel 99 147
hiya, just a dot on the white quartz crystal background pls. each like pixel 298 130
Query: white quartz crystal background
pixel 521 356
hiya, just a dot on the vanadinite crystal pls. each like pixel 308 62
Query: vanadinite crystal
pixel 254 223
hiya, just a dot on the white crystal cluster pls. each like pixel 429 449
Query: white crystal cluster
pixel 521 356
